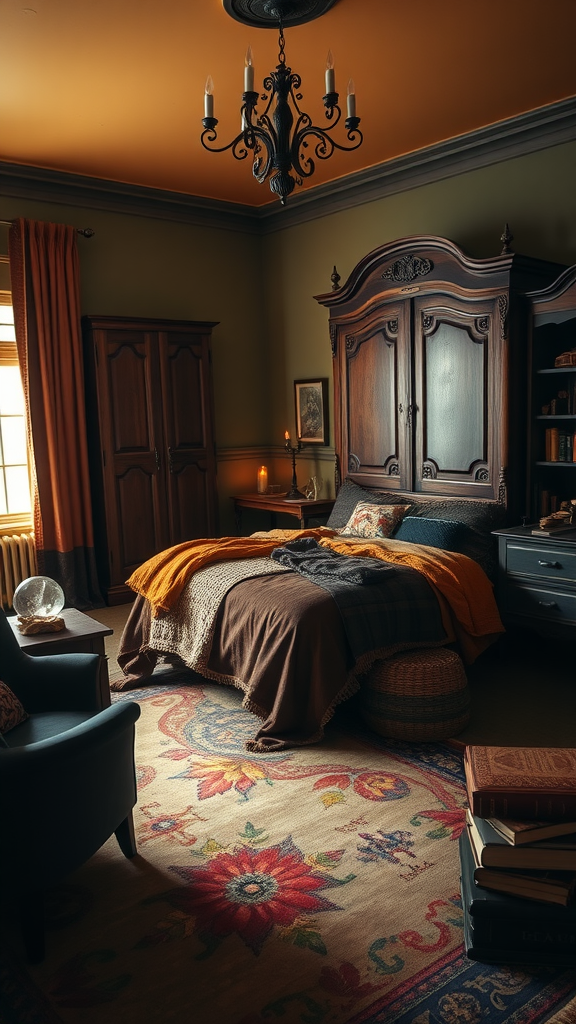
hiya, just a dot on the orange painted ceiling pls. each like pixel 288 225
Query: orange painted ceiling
pixel 114 88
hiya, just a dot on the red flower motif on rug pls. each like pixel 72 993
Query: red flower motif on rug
pixel 249 892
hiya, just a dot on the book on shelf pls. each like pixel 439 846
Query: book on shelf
pixel 558 445
pixel 536 783
pixel 497 920
pixel 519 832
pixel 493 851
pixel 541 886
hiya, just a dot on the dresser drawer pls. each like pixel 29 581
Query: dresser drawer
pixel 545 604
pixel 540 561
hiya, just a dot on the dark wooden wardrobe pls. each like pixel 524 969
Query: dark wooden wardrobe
pixel 430 355
pixel 151 440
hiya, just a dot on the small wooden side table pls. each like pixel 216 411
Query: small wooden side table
pixel 274 503
pixel 81 635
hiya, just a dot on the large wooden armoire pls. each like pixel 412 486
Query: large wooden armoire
pixel 151 440
pixel 430 370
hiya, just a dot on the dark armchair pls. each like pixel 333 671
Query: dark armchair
pixel 67 777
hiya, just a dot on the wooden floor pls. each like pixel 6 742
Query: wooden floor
pixel 523 688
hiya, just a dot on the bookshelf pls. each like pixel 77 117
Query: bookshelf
pixel 551 450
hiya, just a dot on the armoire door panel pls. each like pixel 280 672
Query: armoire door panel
pixel 377 385
pixel 453 358
pixel 455 395
pixel 190 500
pixel 139 532
pixel 183 386
pixel 129 381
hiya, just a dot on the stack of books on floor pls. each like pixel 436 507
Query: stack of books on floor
pixel 518 855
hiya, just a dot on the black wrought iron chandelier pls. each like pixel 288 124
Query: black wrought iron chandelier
pixel 283 140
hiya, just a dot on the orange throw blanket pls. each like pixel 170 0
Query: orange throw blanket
pixel 162 578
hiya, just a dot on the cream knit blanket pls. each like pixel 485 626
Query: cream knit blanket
pixel 188 629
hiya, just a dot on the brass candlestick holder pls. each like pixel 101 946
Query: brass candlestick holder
pixel 294 494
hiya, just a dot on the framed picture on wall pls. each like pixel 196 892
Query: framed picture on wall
pixel 311 402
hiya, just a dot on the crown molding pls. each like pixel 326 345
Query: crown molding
pixel 517 136
pixel 527 133
pixel 21 181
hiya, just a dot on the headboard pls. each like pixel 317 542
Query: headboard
pixel 430 370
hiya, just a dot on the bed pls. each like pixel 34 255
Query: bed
pixel 257 613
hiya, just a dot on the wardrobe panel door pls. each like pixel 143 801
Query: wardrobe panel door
pixel 378 390
pixel 189 434
pixel 456 396
pixel 131 439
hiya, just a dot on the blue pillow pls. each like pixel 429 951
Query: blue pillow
pixel 436 533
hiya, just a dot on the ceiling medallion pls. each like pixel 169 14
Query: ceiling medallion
pixel 283 141
pixel 267 13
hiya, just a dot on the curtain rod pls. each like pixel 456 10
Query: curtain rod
pixel 85 232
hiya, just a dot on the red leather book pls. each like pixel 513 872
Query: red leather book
pixel 533 783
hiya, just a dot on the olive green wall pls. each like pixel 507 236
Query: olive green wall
pixel 535 194
pixel 142 266
pixel 271 330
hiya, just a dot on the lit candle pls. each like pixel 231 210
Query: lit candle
pixel 330 79
pixel 248 72
pixel 286 435
pixel 351 99
pixel 209 98
pixel 262 480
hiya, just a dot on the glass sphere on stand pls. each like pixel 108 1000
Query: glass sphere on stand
pixel 38 595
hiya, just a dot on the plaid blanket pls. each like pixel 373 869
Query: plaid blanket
pixel 402 608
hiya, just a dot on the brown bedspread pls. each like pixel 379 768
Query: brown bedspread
pixel 281 641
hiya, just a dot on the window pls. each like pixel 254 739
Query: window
pixel 15 502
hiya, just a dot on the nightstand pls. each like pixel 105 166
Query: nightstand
pixel 81 635
pixel 273 503
pixel 537 580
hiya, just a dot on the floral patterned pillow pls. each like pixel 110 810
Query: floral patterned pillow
pixel 11 710
pixel 369 520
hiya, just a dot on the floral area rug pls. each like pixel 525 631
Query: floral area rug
pixel 315 886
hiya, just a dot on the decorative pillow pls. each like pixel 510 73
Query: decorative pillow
pixel 481 517
pixel 348 497
pixel 11 710
pixel 370 520
pixel 436 533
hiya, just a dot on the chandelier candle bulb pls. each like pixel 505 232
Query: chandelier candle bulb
pixel 262 480
pixel 330 77
pixel 351 100
pixel 248 72
pixel 209 97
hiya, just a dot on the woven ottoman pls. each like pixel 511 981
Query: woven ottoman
pixel 417 695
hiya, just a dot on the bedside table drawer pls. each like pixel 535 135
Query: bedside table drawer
pixel 540 561
pixel 542 603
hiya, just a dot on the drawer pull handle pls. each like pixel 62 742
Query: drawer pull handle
pixel 547 604
pixel 550 565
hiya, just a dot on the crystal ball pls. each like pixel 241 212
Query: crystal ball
pixel 38 595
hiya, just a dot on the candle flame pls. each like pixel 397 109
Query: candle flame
pixel 248 59
pixel 209 87
pixel 329 61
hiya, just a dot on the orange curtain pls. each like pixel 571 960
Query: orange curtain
pixel 44 269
